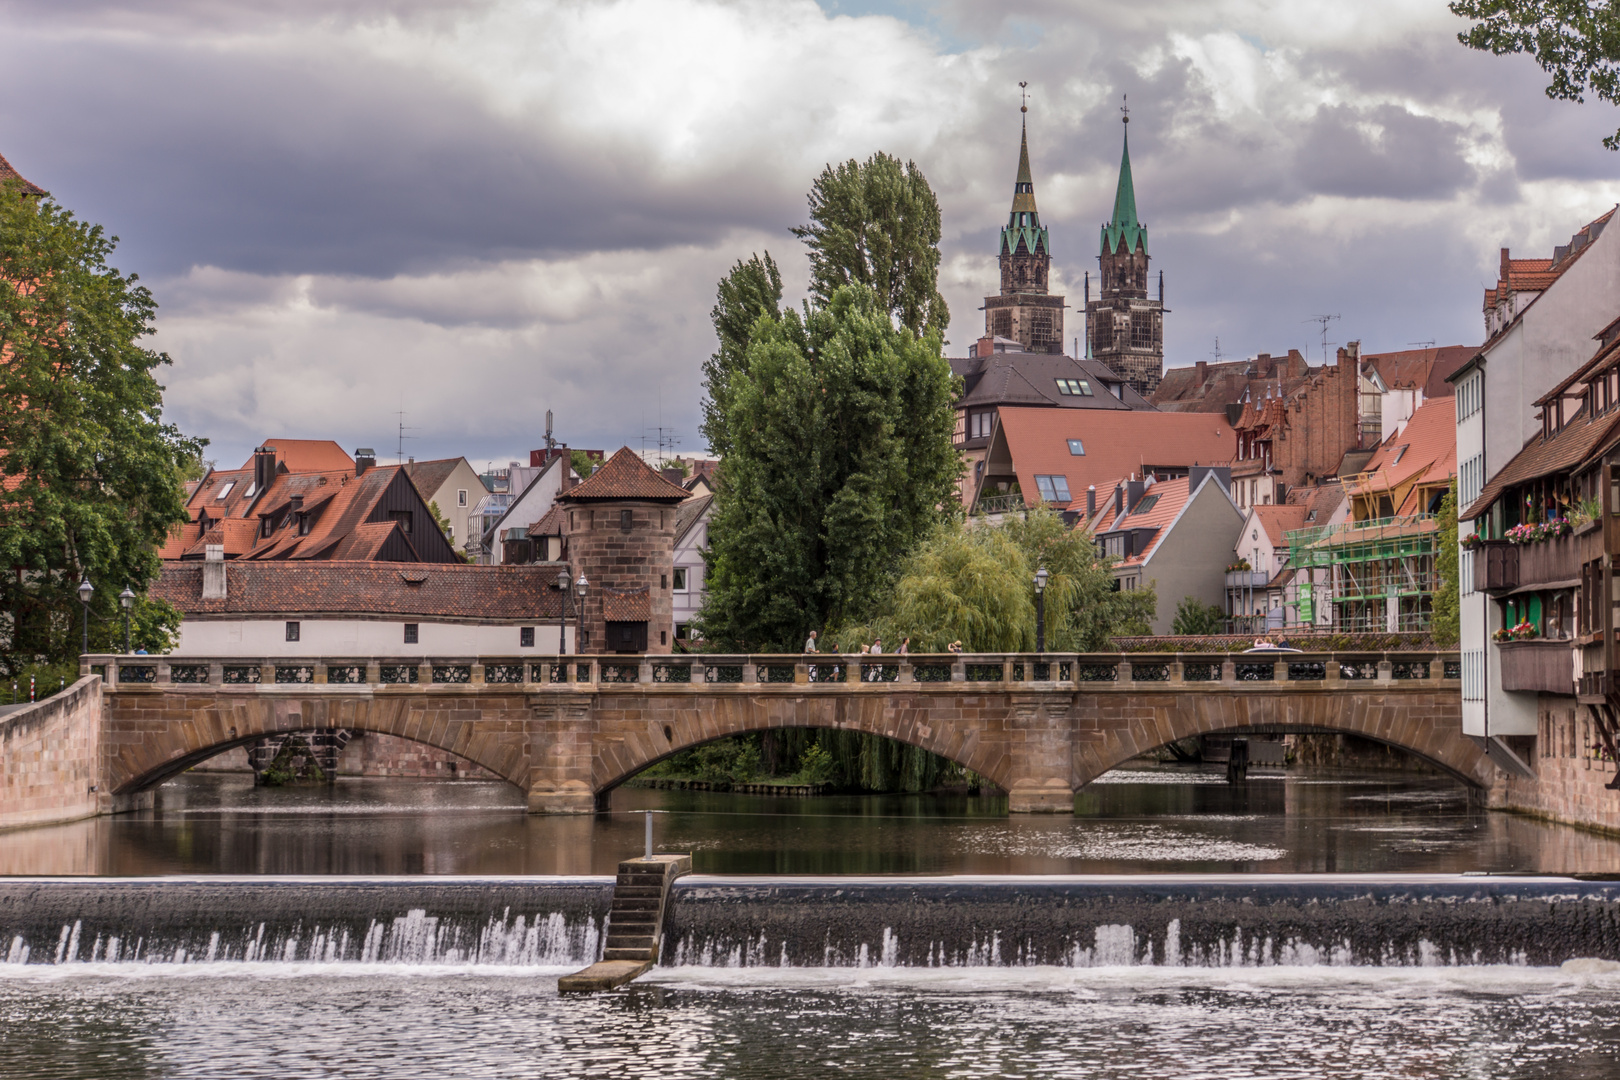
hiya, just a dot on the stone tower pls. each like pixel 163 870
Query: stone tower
pixel 1125 329
pixel 1024 311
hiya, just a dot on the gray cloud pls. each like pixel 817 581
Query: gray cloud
pixel 1384 152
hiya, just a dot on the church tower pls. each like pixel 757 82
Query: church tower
pixel 1024 311
pixel 1125 329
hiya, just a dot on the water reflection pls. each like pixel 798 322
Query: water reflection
pixel 1131 821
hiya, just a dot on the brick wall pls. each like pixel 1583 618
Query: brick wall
pixel 1570 773
pixel 48 758
pixel 613 557
pixel 1322 424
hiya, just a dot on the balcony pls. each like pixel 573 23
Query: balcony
pixel 1545 666
pixel 1496 567
pixel 999 504
pixel 1246 579
pixel 1551 563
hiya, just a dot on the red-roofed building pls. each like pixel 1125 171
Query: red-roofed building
pixel 1057 456
pixel 1174 536
pixel 619 534
pixel 11 174
pixel 342 608
pixel 337 507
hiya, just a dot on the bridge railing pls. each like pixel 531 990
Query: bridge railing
pixel 1139 671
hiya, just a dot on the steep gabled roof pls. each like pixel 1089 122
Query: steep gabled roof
pixel 306 455
pixel 625 476
pixel 9 173
pixel 1424 452
pixel 690 513
pixel 430 476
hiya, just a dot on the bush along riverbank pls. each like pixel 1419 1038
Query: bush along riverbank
pixel 809 761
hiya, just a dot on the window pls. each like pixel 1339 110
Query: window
pixel 292 631
pixel 1077 448
pixel 461 496
pixel 626 519
pixel 1141 330
pixel 410 633
pixel 1053 489
pixel 1074 387
pixel 225 489
pixel 267 524
pixel 663 637
pixel 1146 503
pixel 680 579
pixel 663 581
pixel 979 425
pixel 403 517
pixel 525 637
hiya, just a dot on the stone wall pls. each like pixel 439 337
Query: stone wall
pixel 1570 773
pixel 48 758
pixel 612 556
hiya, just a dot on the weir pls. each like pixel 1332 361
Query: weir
pixel 1175 920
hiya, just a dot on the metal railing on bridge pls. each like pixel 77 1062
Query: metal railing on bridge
pixel 803 671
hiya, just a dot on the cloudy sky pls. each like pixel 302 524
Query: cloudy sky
pixel 476 211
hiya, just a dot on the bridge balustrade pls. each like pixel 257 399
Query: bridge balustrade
pixel 802 671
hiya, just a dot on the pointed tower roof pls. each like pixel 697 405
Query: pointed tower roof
pixel 8 173
pixel 1124 225
pixel 1024 222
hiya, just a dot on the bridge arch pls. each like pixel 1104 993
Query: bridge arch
pixel 1421 724
pixel 924 721
pixel 197 728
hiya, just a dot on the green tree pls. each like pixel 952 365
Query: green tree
pixel 1577 42
pixel 1194 617
pixel 753 290
pixel 1445 619
pixel 877 224
pixel 975 584
pixel 91 473
pixel 581 463
pixel 840 460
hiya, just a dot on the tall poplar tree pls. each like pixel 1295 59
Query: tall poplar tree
pixel 89 472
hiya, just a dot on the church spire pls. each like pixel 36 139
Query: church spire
pixel 1124 225
pixel 1024 222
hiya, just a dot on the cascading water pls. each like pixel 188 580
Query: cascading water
pixel 828 923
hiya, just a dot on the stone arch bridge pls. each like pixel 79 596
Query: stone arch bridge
pixel 568 730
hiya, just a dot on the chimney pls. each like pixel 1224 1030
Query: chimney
pixel 985 347
pixel 1504 266
pixel 364 458
pixel 1091 501
pixel 297 502
pixel 213 583
pixel 264 468
pixel 1119 504
pixel 1351 355
pixel 674 476
pixel 1133 492
pixel 1202 367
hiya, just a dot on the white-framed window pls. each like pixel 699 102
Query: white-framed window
pixel 680 579
pixel 225 489
pixel 1077 448
pixel 1473 673
pixel 1465 572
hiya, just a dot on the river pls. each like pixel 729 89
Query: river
pixel 1149 820
pixel 283 1016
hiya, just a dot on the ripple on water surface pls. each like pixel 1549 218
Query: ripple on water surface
pixel 314 1021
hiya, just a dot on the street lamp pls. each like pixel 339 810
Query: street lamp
pixel 1040 610
pixel 126 600
pixel 562 611
pixel 580 588
pixel 86 590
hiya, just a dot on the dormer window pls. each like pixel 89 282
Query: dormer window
pixel 1074 387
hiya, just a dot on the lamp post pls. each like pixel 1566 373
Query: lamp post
pixel 86 590
pixel 580 588
pixel 1040 610
pixel 562 612
pixel 126 600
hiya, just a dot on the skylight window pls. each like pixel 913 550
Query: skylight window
pixel 1053 489
pixel 225 489
pixel 1145 504
pixel 1077 448
pixel 1400 452
pixel 1074 387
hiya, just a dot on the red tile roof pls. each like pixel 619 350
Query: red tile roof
pixel 9 173
pixel 446 591
pixel 1280 519
pixel 306 455
pixel 625 476
pixel 1576 443
pixel 1117 444
pixel 1169 497
pixel 1424 452
pixel 1425 369
pixel 626 605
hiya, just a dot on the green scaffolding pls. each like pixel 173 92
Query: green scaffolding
pixel 1367 563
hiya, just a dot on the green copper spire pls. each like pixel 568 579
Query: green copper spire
pixel 1024 222
pixel 1124 225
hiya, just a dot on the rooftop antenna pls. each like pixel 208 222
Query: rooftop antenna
pixel 551 444
pixel 1422 344
pixel 1324 320
pixel 1217 353
pixel 399 450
